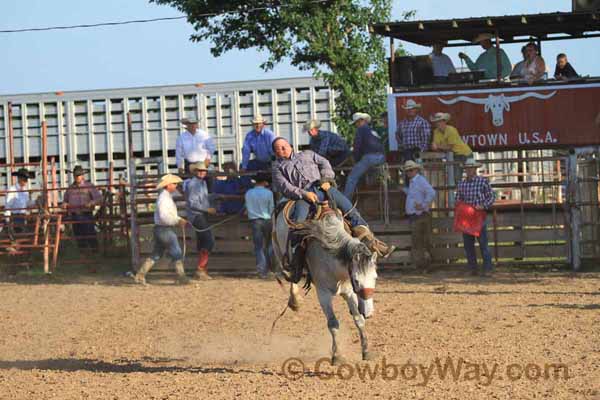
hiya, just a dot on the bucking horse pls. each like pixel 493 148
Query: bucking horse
pixel 338 264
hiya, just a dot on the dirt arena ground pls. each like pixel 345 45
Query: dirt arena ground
pixel 517 336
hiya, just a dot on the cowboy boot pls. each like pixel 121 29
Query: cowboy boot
pixel 364 234
pixel 140 276
pixel 181 278
pixel 201 273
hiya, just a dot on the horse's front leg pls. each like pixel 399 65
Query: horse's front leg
pixel 359 321
pixel 326 301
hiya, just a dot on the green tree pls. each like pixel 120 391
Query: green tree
pixel 328 37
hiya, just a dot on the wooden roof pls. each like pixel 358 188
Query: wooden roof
pixel 510 28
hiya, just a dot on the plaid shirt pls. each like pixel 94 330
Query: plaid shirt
pixel 476 191
pixel 414 132
pixel 328 144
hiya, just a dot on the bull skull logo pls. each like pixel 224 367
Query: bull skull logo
pixel 497 104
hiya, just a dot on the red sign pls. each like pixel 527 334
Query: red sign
pixel 514 118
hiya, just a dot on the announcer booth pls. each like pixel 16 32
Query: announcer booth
pixel 539 141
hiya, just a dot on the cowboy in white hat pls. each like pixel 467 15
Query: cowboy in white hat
pixel 198 207
pixel 327 144
pixel 413 132
pixel 419 196
pixel 368 151
pixel 258 142
pixel 193 145
pixel 165 238
pixel 446 138
pixel 487 60
pixel 477 192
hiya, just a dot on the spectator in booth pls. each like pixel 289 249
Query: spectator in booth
pixel 80 200
pixel 477 192
pixel 258 142
pixel 564 71
pixel 192 146
pixel 487 60
pixel 518 71
pixel 413 133
pixel 419 196
pixel 442 64
pixel 535 66
pixel 327 144
pixel 230 188
pixel 446 138
pixel 198 208
pixel 260 205
pixel 368 151
pixel 165 239
pixel 17 202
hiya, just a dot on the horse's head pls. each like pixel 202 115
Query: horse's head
pixel 363 274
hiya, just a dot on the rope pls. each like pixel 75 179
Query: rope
pixel 184 241
pixel 216 224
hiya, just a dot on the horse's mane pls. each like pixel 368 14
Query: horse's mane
pixel 329 231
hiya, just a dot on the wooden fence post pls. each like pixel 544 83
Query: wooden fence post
pixel 574 202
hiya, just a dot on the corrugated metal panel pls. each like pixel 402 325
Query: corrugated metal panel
pixel 88 127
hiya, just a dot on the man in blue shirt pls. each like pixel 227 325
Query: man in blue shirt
pixel 258 142
pixel 231 187
pixel 327 144
pixel 419 196
pixel 368 151
pixel 260 205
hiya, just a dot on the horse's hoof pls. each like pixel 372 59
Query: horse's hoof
pixel 370 356
pixel 293 304
pixel 337 360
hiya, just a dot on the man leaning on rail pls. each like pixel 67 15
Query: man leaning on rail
pixel 305 177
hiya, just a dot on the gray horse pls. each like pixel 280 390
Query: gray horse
pixel 339 265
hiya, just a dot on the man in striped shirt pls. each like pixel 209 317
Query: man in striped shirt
pixel 477 192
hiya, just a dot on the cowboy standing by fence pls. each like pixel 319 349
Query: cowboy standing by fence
pixel 413 133
pixel 165 238
pixel 193 145
pixel 327 144
pixel 311 185
pixel 447 138
pixel 419 196
pixel 260 205
pixel 477 192
pixel 80 200
pixel 197 201
pixel 258 142
pixel 17 202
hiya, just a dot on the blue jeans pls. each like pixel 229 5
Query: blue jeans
pixel 263 248
pixel 469 242
pixel 204 240
pixel 302 207
pixel 84 230
pixel 165 240
pixel 360 168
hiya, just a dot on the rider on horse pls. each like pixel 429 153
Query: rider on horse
pixel 306 178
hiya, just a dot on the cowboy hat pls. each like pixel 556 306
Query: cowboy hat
pixel 440 116
pixel 198 166
pixel 189 121
pixel 24 174
pixel 481 37
pixel 313 123
pixel 410 104
pixel 78 171
pixel 168 179
pixel 258 119
pixel 410 164
pixel 471 163
pixel 358 116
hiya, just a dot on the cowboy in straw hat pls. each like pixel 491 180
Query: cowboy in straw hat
pixel 476 192
pixel 80 199
pixel 198 207
pixel 327 144
pixel 258 142
pixel 446 138
pixel 487 60
pixel 413 132
pixel 165 238
pixel 368 151
pixel 193 145
pixel 419 196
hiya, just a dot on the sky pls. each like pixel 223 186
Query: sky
pixel 161 53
